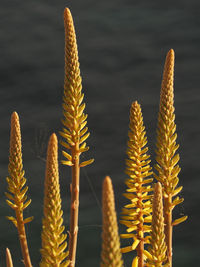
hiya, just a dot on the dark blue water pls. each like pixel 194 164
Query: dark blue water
pixel 122 47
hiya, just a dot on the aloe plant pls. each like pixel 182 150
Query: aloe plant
pixel 137 214
pixel 54 241
pixel 167 160
pixel 148 224
pixel 74 131
pixel 17 198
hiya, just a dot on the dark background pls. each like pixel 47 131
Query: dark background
pixel 122 47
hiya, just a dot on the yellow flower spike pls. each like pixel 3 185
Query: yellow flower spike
pixel 9 262
pixel 16 186
pixel 137 167
pixel 156 255
pixel 74 121
pixel 167 161
pixel 53 239
pixel 74 129
pixel 111 254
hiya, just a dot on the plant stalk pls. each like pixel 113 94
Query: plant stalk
pixel 74 205
pixel 140 247
pixel 140 254
pixel 168 227
pixel 22 238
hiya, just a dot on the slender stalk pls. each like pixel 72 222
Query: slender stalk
pixel 9 262
pixel 140 253
pixel 140 247
pixel 74 132
pixel 16 187
pixel 74 205
pixel 168 227
pixel 22 238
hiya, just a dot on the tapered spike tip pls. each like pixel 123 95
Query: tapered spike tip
pixel 14 116
pixel 9 262
pixel 67 15
pixel 53 138
pixel 107 180
pixel 135 104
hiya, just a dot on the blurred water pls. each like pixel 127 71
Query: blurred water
pixel 122 47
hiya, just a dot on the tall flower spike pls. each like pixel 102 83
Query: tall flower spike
pixel 158 248
pixel 17 198
pixel 111 253
pixel 166 157
pixel 137 214
pixel 53 239
pixel 74 131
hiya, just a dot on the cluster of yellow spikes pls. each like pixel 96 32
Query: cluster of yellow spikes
pixel 147 216
pixel 144 220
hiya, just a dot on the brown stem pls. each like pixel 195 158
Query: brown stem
pixel 168 227
pixel 140 254
pixel 22 238
pixel 74 206
pixel 140 247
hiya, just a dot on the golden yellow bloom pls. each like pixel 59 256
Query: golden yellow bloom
pixel 167 160
pixel 17 198
pixel 53 239
pixel 137 214
pixel 16 180
pixel 158 246
pixel 75 131
pixel 111 254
